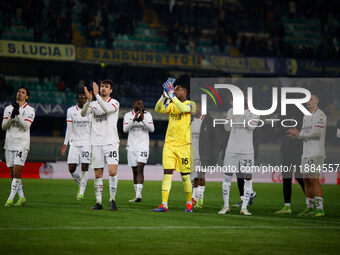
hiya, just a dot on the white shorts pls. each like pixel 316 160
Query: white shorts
pixel 79 154
pixel 311 165
pixel 236 162
pixel 101 154
pixel 134 157
pixel 16 157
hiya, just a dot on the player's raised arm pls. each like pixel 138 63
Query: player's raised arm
pixel 160 106
pixel 185 108
pixel 27 121
pixel 7 120
pixel 85 111
pixel 148 123
pixel 128 123
pixel 107 107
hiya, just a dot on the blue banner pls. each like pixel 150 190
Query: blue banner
pixel 51 110
pixel 310 68
pixel 241 65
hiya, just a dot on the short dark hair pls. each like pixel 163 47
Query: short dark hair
pixel 137 99
pixel 184 82
pixel 80 92
pixel 107 81
pixel 27 91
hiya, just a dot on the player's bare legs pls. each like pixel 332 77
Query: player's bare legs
pixel 200 189
pixel 194 191
pixel 187 190
pixel 16 186
pixel 83 181
pixel 248 189
pixel 166 187
pixel 72 168
pixel 318 194
pixel 17 171
pixel 226 184
pixel 309 197
pixel 316 186
pixel 20 190
pixel 135 183
pixel 138 180
pixel 240 185
pixel 113 184
pixel 135 173
pixel 11 171
pixel 140 173
pixel 98 188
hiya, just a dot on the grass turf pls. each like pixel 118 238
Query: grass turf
pixel 53 222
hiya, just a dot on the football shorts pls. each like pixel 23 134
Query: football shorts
pixel 236 162
pixel 311 165
pixel 101 154
pixel 134 157
pixel 16 157
pixel 79 154
pixel 177 158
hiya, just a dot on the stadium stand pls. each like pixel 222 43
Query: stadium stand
pixel 250 28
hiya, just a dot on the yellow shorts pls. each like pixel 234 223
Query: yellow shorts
pixel 178 158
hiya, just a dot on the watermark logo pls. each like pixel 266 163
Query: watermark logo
pixel 239 99
pixel 204 97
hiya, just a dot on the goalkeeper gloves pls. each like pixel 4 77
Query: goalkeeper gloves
pixel 15 110
pixel 169 87
pixel 165 94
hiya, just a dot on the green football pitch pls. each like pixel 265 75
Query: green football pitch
pixel 53 222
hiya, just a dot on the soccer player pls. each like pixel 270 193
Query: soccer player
pixel 17 121
pixel 177 146
pixel 338 128
pixel 205 147
pixel 313 134
pixel 138 123
pixel 78 135
pixel 104 138
pixel 239 155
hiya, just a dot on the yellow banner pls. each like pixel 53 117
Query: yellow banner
pixel 136 57
pixel 47 51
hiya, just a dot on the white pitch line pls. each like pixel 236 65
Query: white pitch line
pixel 165 227
pixel 215 214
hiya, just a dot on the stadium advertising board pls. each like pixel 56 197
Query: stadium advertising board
pixel 136 57
pixel 244 65
pixel 311 68
pixel 45 51
pixel 41 109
